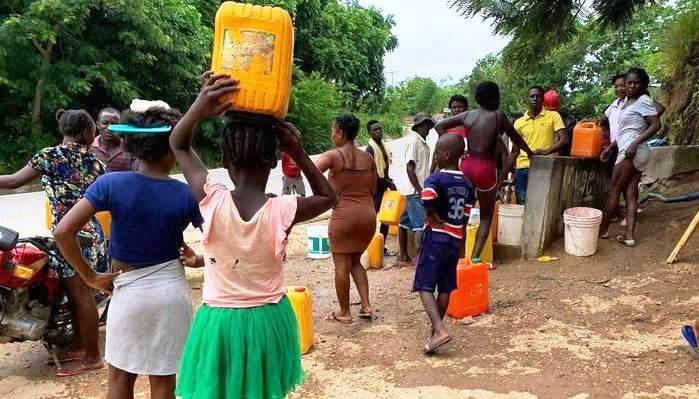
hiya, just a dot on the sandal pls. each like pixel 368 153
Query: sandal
pixel 604 236
pixel 366 315
pixel 340 319
pixel 431 347
pixel 81 369
pixel 389 253
pixel 629 243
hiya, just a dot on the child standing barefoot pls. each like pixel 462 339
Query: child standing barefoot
pixel 244 339
pixel 446 195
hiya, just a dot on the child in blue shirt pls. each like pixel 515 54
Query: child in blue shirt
pixel 447 196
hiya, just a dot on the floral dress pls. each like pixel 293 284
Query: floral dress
pixel 67 170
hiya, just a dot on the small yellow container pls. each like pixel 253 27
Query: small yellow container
pixel 302 303
pixel 393 230
pixel 392 207
pixel 104 218
pixel 256 45
pixel 375 252
pixel 487 252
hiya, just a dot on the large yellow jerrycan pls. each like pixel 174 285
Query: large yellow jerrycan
pixel 104 218
pixel 302 303
pixel 375 252
pixel 256 45
pixel 487 252
pixel 392 207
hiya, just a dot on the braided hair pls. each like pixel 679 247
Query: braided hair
pixel 249 141
pixel 73 122
pixel 149 147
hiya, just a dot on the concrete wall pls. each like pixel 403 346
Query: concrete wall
pixel 556 184
pixel 668 161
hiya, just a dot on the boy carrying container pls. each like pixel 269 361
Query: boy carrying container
pixel 447 197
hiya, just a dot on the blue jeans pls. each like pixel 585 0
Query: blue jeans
pixel 521 180
pixel 413 217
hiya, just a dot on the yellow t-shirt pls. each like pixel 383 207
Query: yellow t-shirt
pixel 539 132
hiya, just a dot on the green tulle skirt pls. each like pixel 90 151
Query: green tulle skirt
pixel 241 353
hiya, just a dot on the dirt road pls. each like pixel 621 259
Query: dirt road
pixel 599 327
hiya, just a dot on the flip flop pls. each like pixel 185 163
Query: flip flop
pixel 431 347
pixel 82 369
pixel 390 253
pixel 629 243
pixel 690 337
pixel 335 318
pixel 604 236
pixel 366 315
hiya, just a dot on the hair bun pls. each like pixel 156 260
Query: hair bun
pixel 59 114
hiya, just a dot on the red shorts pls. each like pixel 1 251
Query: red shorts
pixel 482 173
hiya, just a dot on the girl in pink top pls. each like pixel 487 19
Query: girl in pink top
pixel 244 339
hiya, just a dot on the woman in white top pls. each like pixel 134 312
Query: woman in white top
pixel 638 122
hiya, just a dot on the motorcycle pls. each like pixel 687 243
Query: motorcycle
pixel 33 303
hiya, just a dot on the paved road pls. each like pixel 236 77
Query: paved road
pixel 25 212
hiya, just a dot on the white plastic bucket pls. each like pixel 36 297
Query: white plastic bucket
pixel 318 242
pixel 581 230
pixel 510 221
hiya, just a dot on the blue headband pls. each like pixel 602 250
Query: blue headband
pixel 131 129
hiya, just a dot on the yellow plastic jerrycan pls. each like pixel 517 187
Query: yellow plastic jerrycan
pixel 104 218
pixel 487 252
pixel 302 303
pixel 256 45
pixel 392 207
pixel 375 252
pixel 393 230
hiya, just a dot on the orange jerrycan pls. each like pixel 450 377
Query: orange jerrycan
pixel 393 230
pixel 587 140
pixel 392 207
pixel 302 303
pixel 471 296
pixel 375 252
pixel 256 45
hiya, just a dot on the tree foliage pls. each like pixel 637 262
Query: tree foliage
pixel 91 54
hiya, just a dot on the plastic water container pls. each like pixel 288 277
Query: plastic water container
pixel 375 252
pixel 318 242
pixel 256 45
pixel 487 252
pixel 302 303
pixel 392 207
pixel 581 230
pixel 104 218
pixel 510 221
pixel 587 140
pixel 393 230
pixel 472 296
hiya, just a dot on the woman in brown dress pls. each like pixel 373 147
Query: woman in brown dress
pixel 353 221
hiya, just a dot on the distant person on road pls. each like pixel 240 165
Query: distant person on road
pixel 417 168
pixel 543 131
pixel 479 165
pixel 353 220
pixel 292 180
pixel 382 158
pixel 66 171
pixel 447 196
pixel 107 147
pixel 638 122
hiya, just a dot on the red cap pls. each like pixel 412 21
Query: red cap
pixel 552 101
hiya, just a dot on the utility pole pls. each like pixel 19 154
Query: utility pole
pixel 392 72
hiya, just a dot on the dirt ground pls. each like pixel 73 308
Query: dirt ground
pixel 600 327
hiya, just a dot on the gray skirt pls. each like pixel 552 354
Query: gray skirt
pixel 148 320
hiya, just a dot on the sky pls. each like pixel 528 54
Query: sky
pixel 434 40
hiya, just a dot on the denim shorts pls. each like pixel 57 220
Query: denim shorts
pixel 436 263
pixel 413 217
